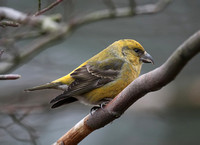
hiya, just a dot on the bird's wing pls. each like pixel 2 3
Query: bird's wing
pixel 92 76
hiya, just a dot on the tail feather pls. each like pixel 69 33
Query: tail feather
pixel 59 97
pixel 63 102
pixel 46 86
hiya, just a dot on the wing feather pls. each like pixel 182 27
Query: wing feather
pixel 90 77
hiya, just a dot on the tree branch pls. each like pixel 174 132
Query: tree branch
pixel 146 83
pixel 121 12
pixel 47 8
pixel 56 31
pixel 9 77
pixel 47 24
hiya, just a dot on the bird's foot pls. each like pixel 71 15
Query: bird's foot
pixel 95 108
pixel 102 105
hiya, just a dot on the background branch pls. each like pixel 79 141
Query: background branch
pixel 51 31
pixel 9 77
pixel 146 83
pixel 47 8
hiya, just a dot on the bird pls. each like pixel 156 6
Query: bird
pixel 102 77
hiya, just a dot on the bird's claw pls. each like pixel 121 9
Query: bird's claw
pixel 95 108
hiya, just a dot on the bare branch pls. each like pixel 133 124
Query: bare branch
pixel 34 48
pixel 1 52
pixel 152 8
pixel 47 24
pixel 18 16
pixel 146 83
pixel 132 4
pixel 110 5
pixel 48 8
pixel 58 31
pixel 8 23
pixel 9 77
pixel 121 12
pixel 27 128
pixel 39 5
pixel 17 120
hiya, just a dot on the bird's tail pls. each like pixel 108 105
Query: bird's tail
pixel 57 85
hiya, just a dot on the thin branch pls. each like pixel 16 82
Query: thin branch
pixel 18 16
pixel 48 7
pixel 9 23
pixel 28 129
pixel 111 6
pixel 132 4
pixel 47 24
pixel 34 48
pixel 146 83
pixel 1 52
pixel 9 77
pixel 18 121
pixel 58 31
pixel 13 135
pixel 39 5
pixel 121 13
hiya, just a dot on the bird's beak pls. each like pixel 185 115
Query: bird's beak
pixel 146 58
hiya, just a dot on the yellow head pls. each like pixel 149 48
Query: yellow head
pixel 133 52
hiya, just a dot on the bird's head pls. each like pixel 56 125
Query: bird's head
pixel 134 52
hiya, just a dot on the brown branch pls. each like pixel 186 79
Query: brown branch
pixel 146 83
pixel 48 8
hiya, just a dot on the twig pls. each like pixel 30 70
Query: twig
pixel 110 5
pixel 48 7
pixel 9 23
pixel 132 4
pixel 39 5
pixel 146 83
pixel 19 17
pixel 59 31
pixel 1 52
pixel 121 13
pixel 18 121
pixel 13 135
pixel 27 128
pixel 46 24
pixel 9 77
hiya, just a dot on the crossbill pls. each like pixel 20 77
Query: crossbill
pixel 102 77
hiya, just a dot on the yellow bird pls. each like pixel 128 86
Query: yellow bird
pixel 102 77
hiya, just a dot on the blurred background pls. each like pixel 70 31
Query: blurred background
pixel 168 116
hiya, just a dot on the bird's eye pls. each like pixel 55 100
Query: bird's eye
pixel 136 50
